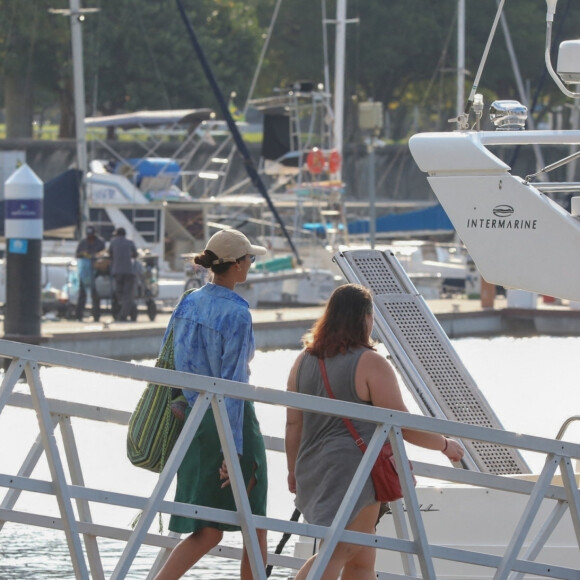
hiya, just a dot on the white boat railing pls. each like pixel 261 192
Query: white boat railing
pixel 419 554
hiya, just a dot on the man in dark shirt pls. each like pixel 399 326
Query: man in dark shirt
pixel 123 253
pixel 87 250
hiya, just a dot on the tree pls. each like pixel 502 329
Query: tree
pixel 136 56
pixel 29 50
pixel 139 56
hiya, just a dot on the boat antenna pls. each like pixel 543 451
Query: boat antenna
pixel 240 144
pixel 462 120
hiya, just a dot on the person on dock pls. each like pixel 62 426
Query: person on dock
pixel 123 253
pixel 86 253
pixel 213 336
pixel 322 456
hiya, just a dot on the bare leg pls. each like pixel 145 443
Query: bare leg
pixel 354 559
pixel 245 568
pixel 188 552
pixel 362 566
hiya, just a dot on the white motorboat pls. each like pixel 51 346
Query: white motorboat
pixel 512 228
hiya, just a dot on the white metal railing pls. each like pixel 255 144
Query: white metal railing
pixel 418 553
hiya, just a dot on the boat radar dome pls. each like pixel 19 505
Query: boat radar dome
pixel 508 115
pixel 569 61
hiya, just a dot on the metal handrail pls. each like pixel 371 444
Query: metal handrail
pixel 27 359
pixel 566 424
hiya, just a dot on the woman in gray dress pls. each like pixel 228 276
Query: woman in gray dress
pixel 321 453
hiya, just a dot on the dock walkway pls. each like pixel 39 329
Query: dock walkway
pixel 284 327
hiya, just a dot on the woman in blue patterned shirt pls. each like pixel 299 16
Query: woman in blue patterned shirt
pixel 213 336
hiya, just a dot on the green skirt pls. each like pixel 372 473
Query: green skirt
pixel 198 479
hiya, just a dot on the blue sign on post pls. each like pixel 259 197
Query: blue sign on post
pixel 17 246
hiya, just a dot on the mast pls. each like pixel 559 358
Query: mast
pixel 340 44
pixel 76 19
pixel 460 57
pixel 239 142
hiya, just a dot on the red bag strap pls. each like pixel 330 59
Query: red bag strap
pixel 355 435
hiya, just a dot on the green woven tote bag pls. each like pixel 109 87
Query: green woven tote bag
pixel 153 429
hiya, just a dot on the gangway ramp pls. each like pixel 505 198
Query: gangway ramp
pixel 424 356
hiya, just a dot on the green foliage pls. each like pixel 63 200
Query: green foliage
pixel 141 56
pixel 137 54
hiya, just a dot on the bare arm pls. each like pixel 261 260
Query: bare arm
pixel 293 428
pixel 376 381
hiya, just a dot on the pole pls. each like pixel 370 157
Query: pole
pixel 23 229
pixel 574 118
pixel 460 56
pixel 340 44
pixel 372 194
pixel 76 19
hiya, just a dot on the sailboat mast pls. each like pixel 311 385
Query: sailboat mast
pixel 76 20
pixel 460 101
pixel 340 45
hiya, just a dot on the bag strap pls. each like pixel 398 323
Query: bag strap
pixel 349 425
pixel 166 353
pixel 167 349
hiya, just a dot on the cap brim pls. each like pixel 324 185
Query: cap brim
pixel 257 250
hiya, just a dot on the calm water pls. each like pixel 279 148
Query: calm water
pixel 532 384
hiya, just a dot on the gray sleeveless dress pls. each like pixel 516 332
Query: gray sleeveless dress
pixel 328 456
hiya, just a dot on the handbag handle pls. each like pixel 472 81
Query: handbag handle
pixel 349 425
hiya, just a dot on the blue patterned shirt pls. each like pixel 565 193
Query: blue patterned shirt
pixel 213 336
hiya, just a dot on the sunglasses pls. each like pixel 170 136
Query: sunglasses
pixel 252 258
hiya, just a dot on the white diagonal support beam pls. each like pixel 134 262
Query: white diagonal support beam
pixel 56 470
pixel 542 536
pixel 523 527
pixel 25 470
pixel 238 488
pixel 83 507
pixel 412 504
pixel 333 536
pixel 157 496
pixel 400 522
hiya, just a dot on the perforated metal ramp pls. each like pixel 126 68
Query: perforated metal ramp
pixel 425 357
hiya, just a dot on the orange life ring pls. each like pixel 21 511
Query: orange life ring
pixel 334 161
pixel 315 161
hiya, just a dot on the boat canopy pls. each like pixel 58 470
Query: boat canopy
pixel 151 118
pixel 432 219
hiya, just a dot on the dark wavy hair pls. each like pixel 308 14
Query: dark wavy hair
pixel 343 324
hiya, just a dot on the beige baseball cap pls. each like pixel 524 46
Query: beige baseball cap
pixel 231 245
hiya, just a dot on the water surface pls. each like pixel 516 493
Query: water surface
pixel 532 384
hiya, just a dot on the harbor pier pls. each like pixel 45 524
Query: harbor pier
pixel 284 327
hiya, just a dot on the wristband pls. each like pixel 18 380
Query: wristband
pixel 446 443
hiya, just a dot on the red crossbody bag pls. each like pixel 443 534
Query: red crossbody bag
pixel 384 472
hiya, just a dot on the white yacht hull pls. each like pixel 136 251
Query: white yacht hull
pixel 477 520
